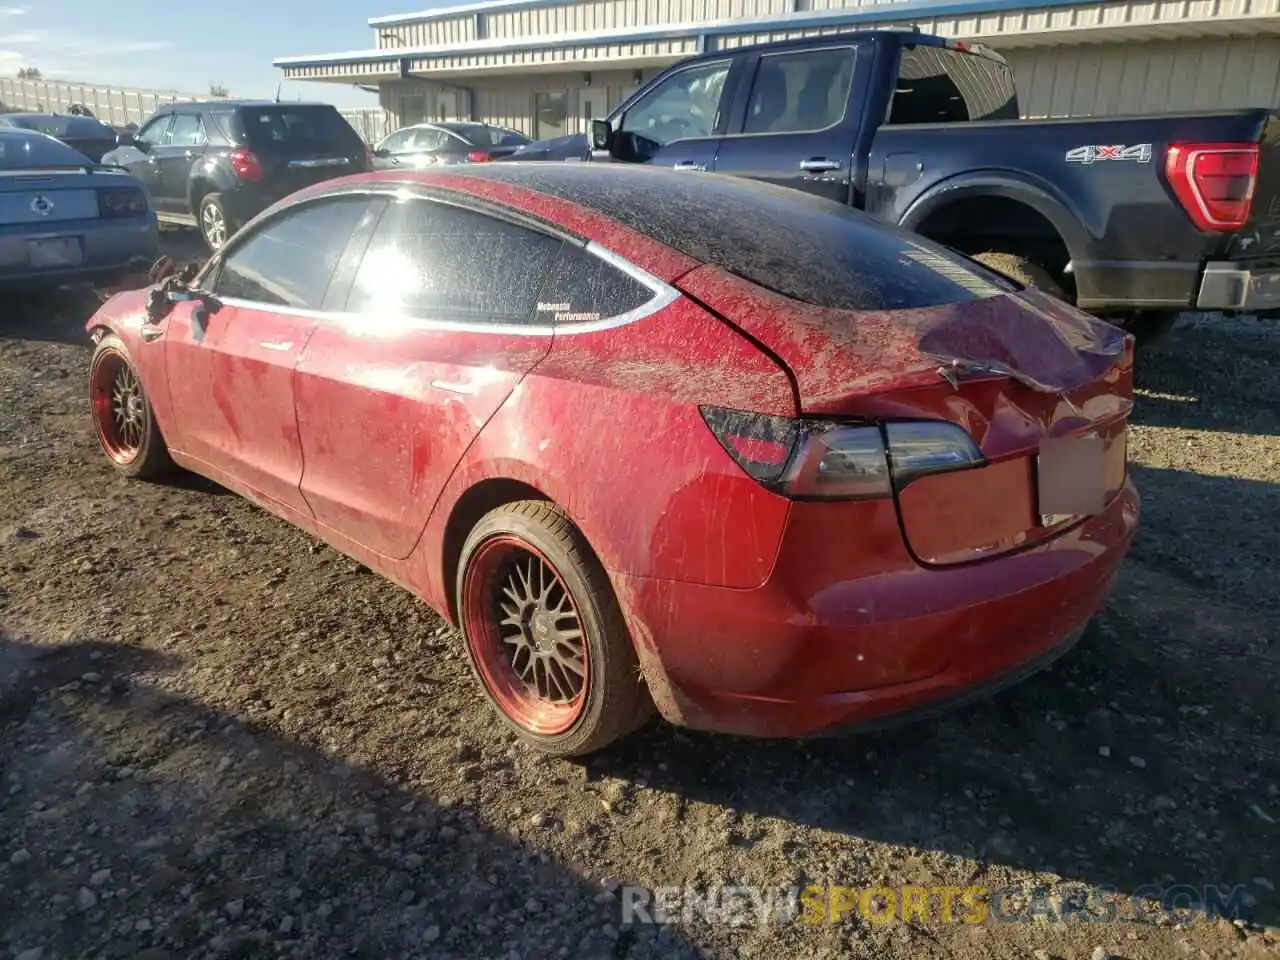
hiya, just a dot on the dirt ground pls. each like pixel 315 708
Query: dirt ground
pixel 219 738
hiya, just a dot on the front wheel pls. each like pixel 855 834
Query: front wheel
pixel 122 416
pixel 544 633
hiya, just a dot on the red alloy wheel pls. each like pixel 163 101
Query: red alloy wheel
pixel 525 635
pixel 120 412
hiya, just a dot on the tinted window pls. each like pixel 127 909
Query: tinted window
pixel 429 259
pixel 19 151
pixel 74 127
pixel 800 91
pixel 187 131
pixel 686 104
pixel 155 131
pixel 289 260
pixel 802 246
pixel 300 127
pixel 940 85
pixel 398 142
pixel 583 287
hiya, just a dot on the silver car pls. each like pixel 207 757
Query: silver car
pixel 64 218
pixel 433 144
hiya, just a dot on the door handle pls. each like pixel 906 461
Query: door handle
pixel 689 165
pixel 819 165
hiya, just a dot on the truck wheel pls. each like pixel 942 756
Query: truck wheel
pixel 1021 270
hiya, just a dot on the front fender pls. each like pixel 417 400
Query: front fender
pixel 1079 230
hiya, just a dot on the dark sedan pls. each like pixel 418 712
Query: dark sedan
pixel 434 144
pixel 85 134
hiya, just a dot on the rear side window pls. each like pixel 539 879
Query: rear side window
pixel 795 92
pixel 433 260
pixel 296 127
pixel 289 260
pixel 583 288
pixel 941 85
pixel 187 131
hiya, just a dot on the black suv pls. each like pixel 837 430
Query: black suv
pixel 214 165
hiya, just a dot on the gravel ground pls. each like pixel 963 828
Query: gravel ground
pixel 219 738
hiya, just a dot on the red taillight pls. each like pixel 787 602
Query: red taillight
pixel 1214 182
pixel 246 165
pixel 478 156
pixel 825 460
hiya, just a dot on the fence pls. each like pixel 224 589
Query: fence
pixel 119 107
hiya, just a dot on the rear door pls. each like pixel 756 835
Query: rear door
pixel 184 144
pixel 436 333
pixel 678 122
pixel 798 120
pixel 231 373
pixel 300 144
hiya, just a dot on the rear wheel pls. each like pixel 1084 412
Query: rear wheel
pixel 215 227
pixel 122 416
pixel 544 633
pixel 1021 271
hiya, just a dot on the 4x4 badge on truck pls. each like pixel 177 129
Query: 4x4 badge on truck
pixel 1138 152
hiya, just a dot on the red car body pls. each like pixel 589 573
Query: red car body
pixel 751 610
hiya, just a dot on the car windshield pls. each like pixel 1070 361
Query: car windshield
pixel 67 127
pixel 306 127
pixel 25 152
pixel 479 135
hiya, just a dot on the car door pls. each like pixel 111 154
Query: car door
pixel 183 145
pixel 231 372
pixel 799 122
pixel 138 158
pixel 435 334
pixel 678 123
pixel 423 148
pixel 386 156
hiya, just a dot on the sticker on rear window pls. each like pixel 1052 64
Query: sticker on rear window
pixel 1136 152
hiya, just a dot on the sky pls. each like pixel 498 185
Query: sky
pixel 188 46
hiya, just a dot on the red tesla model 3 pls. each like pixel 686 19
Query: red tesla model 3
pixel 651 439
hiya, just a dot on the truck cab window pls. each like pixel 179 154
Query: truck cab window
pixel 942 85
pixel 685 105
pixel 797 92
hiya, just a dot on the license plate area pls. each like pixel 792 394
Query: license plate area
pixel 1071 479
pixel 54 252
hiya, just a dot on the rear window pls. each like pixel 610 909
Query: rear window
pixel 942 85
pixel 24 152
pixel 75 127
pixel 305 127
pixel 803 247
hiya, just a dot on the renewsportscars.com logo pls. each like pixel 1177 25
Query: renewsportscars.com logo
pixel 815 905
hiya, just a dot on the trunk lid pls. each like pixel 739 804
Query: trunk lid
pixel 46 197
pixel 1012 370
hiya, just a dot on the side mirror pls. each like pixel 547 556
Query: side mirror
pixel 382 152
pixel 601 134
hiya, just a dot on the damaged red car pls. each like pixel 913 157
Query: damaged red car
pixel 650 439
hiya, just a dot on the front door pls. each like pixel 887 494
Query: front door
pixel 140 159
pixel 799 124
pixel 231 374
pixel 183 146
pixel 434 335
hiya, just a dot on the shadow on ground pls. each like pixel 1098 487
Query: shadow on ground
pixel 140 824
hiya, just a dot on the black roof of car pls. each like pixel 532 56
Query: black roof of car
pixel 234 104
pixel 799 245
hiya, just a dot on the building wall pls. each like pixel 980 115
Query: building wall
pixel 1152 77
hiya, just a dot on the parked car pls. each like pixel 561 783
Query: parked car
pixel 430 144
pixel 215 165
pixel 1132 218
pixel 754 457
pixel 63 218
pixel 82 133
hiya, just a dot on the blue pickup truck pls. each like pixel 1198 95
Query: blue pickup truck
pixel 1132 218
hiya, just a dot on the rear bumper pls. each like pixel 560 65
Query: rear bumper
pixel 110 249
pixel 1238 288
pixel 847 650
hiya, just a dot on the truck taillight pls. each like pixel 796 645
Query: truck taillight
pixel 826 460
pixel 246 165
pixel 1214 182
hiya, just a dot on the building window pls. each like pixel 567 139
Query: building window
pixel 551 113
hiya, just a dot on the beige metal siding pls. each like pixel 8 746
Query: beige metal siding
pixel 592 15
pixel 588 55
pixel 1155 77
pixel 425 33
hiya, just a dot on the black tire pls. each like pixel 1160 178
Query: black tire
pixel 210 212
pixel 1148 327
pixel 1021 271
pixel 147 457
pixel 615 701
